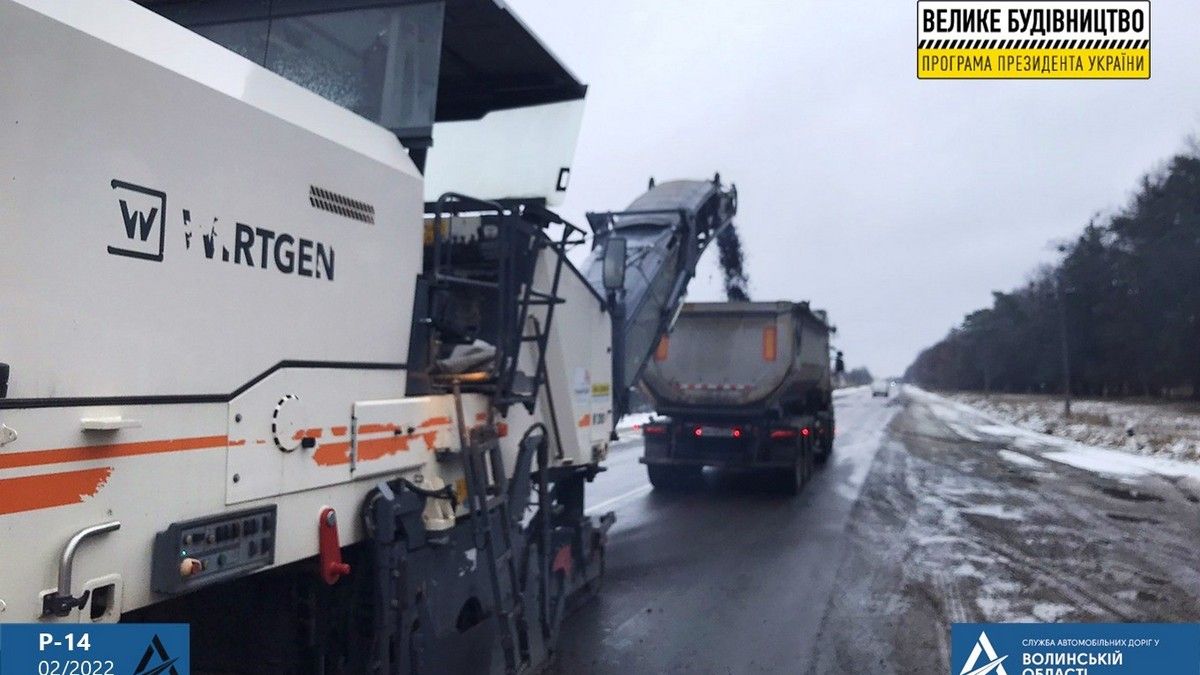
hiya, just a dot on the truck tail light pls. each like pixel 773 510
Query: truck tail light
pixel 654 429
pixel 805 431
pixel 698 432
pixel 770 343
pixel 664 347
pixel 737 432
pixel 784 434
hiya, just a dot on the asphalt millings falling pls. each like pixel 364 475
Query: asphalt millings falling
pixel 733 260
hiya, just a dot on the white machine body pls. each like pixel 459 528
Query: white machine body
pixel 206 287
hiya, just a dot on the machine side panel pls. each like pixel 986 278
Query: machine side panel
pixel 294 430
pixel 165 238
pixel 392 436
pixel 57 479
pixel 579 362
pixel 176 463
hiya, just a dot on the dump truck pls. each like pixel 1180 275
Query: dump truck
pixel 740 385
pixel 267 369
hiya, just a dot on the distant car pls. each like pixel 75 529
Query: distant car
pixel 881 388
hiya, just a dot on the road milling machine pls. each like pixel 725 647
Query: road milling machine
pixel 269 371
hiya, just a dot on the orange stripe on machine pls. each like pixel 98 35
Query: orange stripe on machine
pixel 15 460
pixel 335 454
pixel 30 493
pixel 332 454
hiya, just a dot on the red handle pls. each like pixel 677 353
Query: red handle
pixel 331 566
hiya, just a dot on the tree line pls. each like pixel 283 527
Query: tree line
pixel 1123 301
pixel 857 377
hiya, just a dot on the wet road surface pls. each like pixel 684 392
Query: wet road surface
pixel 928 513
pixel 732 577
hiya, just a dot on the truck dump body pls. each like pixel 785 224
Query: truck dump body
pixel 723 356
pixel 745 385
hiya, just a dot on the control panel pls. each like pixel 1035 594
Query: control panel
pixel 199 552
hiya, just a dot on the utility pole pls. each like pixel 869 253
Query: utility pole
pixel 1062 331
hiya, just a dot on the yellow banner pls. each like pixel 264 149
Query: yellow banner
pixel 1051 64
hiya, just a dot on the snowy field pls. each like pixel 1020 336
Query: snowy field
pixel 1079 444
pixel 1161 429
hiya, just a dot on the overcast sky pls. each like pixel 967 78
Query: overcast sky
pixel 897 204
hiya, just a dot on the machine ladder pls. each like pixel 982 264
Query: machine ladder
pixel 488 505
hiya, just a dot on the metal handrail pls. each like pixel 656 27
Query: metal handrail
pixel 61 602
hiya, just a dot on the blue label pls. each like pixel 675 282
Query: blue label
pixel 95 649
pixel 1074 649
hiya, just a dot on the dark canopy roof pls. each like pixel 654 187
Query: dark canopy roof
pixel 489 60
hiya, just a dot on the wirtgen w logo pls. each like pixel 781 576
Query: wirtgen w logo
pixel 143 212
pixel 983 649
pixel 143 223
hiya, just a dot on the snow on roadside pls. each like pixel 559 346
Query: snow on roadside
pixel 1020 460
pixel 1114 462
pixel 985 423
pixel 1167 429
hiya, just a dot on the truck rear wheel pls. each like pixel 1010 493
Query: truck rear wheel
pixel 825 442
pixel 673 477
pixel 825 449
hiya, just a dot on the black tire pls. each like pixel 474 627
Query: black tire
pixel 673 478
pixel 826 445
pixel 661 477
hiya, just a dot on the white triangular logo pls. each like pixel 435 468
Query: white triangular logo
pixel 983 648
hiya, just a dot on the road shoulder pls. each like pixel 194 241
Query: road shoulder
pixel 954 525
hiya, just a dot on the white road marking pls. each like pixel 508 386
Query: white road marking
pixel 619 498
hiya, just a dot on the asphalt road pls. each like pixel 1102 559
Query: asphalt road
pixel 928 514
pixel 728 578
